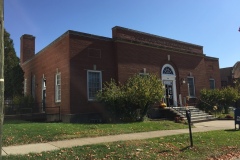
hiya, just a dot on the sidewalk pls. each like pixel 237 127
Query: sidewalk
pixel 41 147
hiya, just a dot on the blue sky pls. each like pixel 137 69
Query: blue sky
pixel 212 24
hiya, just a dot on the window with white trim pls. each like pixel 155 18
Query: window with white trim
pixel 58 87
pixel 212 83
pixel 33 86
pixel 94 83
pixel 191 87
pixel 25 87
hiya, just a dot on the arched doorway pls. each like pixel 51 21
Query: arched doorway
pixel 168 75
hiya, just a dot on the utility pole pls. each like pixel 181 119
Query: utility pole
pixel 1 72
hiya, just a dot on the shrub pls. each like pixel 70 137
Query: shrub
pixel 142 92
pixel 222 98
pixel 209 99
pixel 229 95
pixel 112 96
pixel 130 102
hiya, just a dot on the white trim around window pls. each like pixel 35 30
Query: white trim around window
pixel 94 83
pixel 33 86
pixel 58 87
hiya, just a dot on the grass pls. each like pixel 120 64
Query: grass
pixel 22 132
pixel 207 145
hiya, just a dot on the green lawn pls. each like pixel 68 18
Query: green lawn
pixel 207 145
pixel 22 132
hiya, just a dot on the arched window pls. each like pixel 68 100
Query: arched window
pixel 168 70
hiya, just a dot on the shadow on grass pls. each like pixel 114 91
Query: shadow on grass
pixel 232 130
pixel 185 148
pixel 181 150
pixel 165 151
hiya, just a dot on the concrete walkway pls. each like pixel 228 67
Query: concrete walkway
pixel 50 146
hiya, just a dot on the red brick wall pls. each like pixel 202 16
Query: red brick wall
pixel 132 58
pixel 119 58
pixel 46 62
pixel 213 71
pixel 27 48
pixel 85 53
pixel 187 59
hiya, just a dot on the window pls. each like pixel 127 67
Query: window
pixel 25 86
pixel 167 70
pixel 58 87
pixel 94 83
pixel 191 87
pixel 33 86
pixel 212 83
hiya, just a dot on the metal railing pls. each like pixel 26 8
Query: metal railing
pixel 29 109
pixel 14 109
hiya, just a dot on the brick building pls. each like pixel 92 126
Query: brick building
pixel 230 74
pixel 69 71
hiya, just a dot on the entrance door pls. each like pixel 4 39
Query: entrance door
pixel 169 81
pixel 169 92
pixel 44 100
pixel 44 94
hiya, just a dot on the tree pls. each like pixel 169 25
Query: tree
pixel 13 73
pixel 112 96
pixel 237 87
pixel 130 101
pixel 208 99
pixel 222 98
pixel 229 96
pixel 142 92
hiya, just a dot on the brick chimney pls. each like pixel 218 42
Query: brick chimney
pixel 27 49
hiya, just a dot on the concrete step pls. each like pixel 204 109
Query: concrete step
pixel 197 115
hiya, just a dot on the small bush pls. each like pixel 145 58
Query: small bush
pixel 222 98
pixel 130 102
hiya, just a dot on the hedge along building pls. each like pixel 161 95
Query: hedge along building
pixel 70 70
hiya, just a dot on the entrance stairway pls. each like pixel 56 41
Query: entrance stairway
pixel 197 115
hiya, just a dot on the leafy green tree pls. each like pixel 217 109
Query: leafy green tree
pixel 222 98
pixel 208 99
pixel 13 73
pixel 237 87
pixel 142 92
pixel 130 101
pixel 112 96
pixel 229 95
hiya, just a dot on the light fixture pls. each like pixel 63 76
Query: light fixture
pixel 183 81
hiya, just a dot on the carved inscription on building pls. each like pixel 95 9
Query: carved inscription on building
pixel 158 41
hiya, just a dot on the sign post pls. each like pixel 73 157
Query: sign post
pixel 237 117
pixel 188 115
